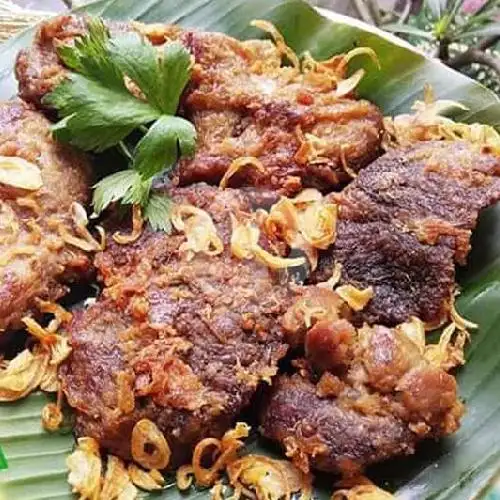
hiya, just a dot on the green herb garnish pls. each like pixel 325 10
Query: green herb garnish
pixel 99 111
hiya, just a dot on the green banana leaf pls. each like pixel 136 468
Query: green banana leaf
pixel 460 467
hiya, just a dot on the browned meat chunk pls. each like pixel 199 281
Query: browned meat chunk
pixel 243 104
pixel 377 403
pixel 405 220
pixel 186 337
pixel 35 262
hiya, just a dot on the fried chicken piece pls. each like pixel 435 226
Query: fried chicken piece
pixel 186 337
pixel 374 404
pixel 243 104
pixel 405 221
pixel 35 262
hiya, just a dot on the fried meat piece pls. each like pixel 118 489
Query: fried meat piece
pixel 405 221
pixel 361 397
pixel 35 263
pixel 243 104
pixel 178 338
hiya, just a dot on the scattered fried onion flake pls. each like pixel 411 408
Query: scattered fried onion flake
pixel 245 245
pixel 306 222
pixel 117 484
pixel 362 492
pixel 23 374
pixel 199 229
pixel 146 480
pixel 146 434
pixel 84 240
pixel 137 225
pixel 356 299
pixel 238 164
pixel 279 41
pixel 225 450
pixel 85 467
pixel 267 479
pixel 427 124
pixel 52 417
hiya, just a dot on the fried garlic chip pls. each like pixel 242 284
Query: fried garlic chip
pixel 245 245
pixel 85 467
pixel 199 229
pixel 23 374
pixel 267 478
pixel 362 492
pixel 117 484
pixel 225 449
pixel 146 480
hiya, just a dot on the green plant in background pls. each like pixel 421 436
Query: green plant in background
pixel 464 34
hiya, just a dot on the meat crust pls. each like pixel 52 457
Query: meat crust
pixel 243 103
pixel 191 338
pixel 35 262
pixel 405 221
pixel 343 419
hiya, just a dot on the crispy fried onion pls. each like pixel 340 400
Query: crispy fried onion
pixel 9 225
pixel 332 73
pixel 184 477
pixel 306 222
pixel 334 280
pixel 264 478
pixel 448 352
pixel 426 123
pixel 311 148
pixel 225 450
pixel 19 173
pixel 137 225
pixel 362 492
pixel 52 417
pixel 23 374
pixel 36 368
pixel 356 299
pixel 85 467
pixel 84 240
pixel 146 480
pixel 245 245
pixel 117 484
pixel 279 41
pixel 199 229
pixel 238 164
pixel 149 446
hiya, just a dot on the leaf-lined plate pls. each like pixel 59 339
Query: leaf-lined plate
pixel 460 467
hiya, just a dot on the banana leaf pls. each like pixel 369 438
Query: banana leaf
pixel 460 467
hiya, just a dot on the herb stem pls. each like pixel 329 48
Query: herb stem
pixel 125 151
pixel 143 128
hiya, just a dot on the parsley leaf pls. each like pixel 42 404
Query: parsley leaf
pixel 157 212
pixel 119 85
pixel 165 139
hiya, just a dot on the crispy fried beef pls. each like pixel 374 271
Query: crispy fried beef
pixel 405 221
pixel 243 103
pixel 35 261
pixel 360 397
pixel 187 341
